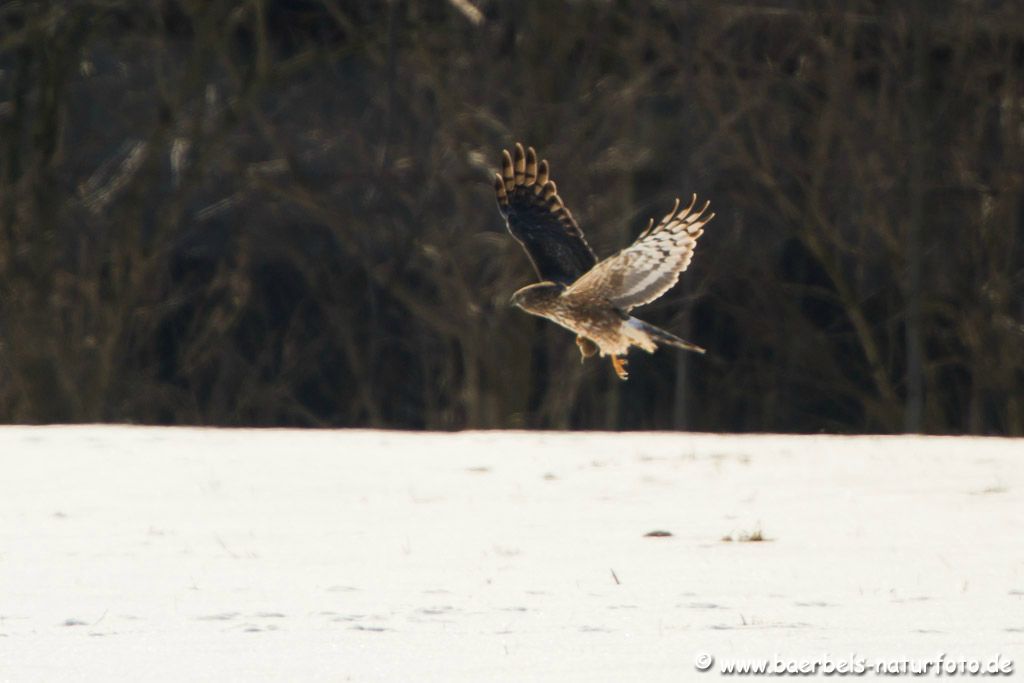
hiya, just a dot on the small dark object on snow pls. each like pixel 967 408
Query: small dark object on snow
pixel 657 534
pixel 756 536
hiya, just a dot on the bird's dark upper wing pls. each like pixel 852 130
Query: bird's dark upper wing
pixel 538 219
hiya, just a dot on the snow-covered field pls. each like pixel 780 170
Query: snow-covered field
pixel 186 554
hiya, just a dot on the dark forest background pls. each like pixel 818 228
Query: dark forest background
pixel 280 212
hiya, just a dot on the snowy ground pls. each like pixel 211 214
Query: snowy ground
pixel 182 554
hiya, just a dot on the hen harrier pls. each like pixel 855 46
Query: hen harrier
pixel 586 297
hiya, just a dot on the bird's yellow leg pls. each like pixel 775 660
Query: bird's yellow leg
pixel 620 363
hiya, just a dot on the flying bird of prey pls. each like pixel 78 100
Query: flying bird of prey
pixel 591 298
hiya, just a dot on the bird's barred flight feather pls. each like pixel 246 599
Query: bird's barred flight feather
pixel 650 266
pixel 537 218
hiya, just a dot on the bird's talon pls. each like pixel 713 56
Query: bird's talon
pixel 619 364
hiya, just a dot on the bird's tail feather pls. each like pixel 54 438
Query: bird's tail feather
pixel 662 337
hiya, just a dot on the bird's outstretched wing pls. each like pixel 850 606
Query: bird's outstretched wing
pixel 649 267
pixel 538 219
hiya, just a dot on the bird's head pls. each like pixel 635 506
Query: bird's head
pixel 535 298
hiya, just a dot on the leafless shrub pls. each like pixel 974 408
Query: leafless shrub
pixel 279 213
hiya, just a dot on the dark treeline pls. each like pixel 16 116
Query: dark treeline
pixel 279 212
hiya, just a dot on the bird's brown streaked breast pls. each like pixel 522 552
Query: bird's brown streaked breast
pixel 585 318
